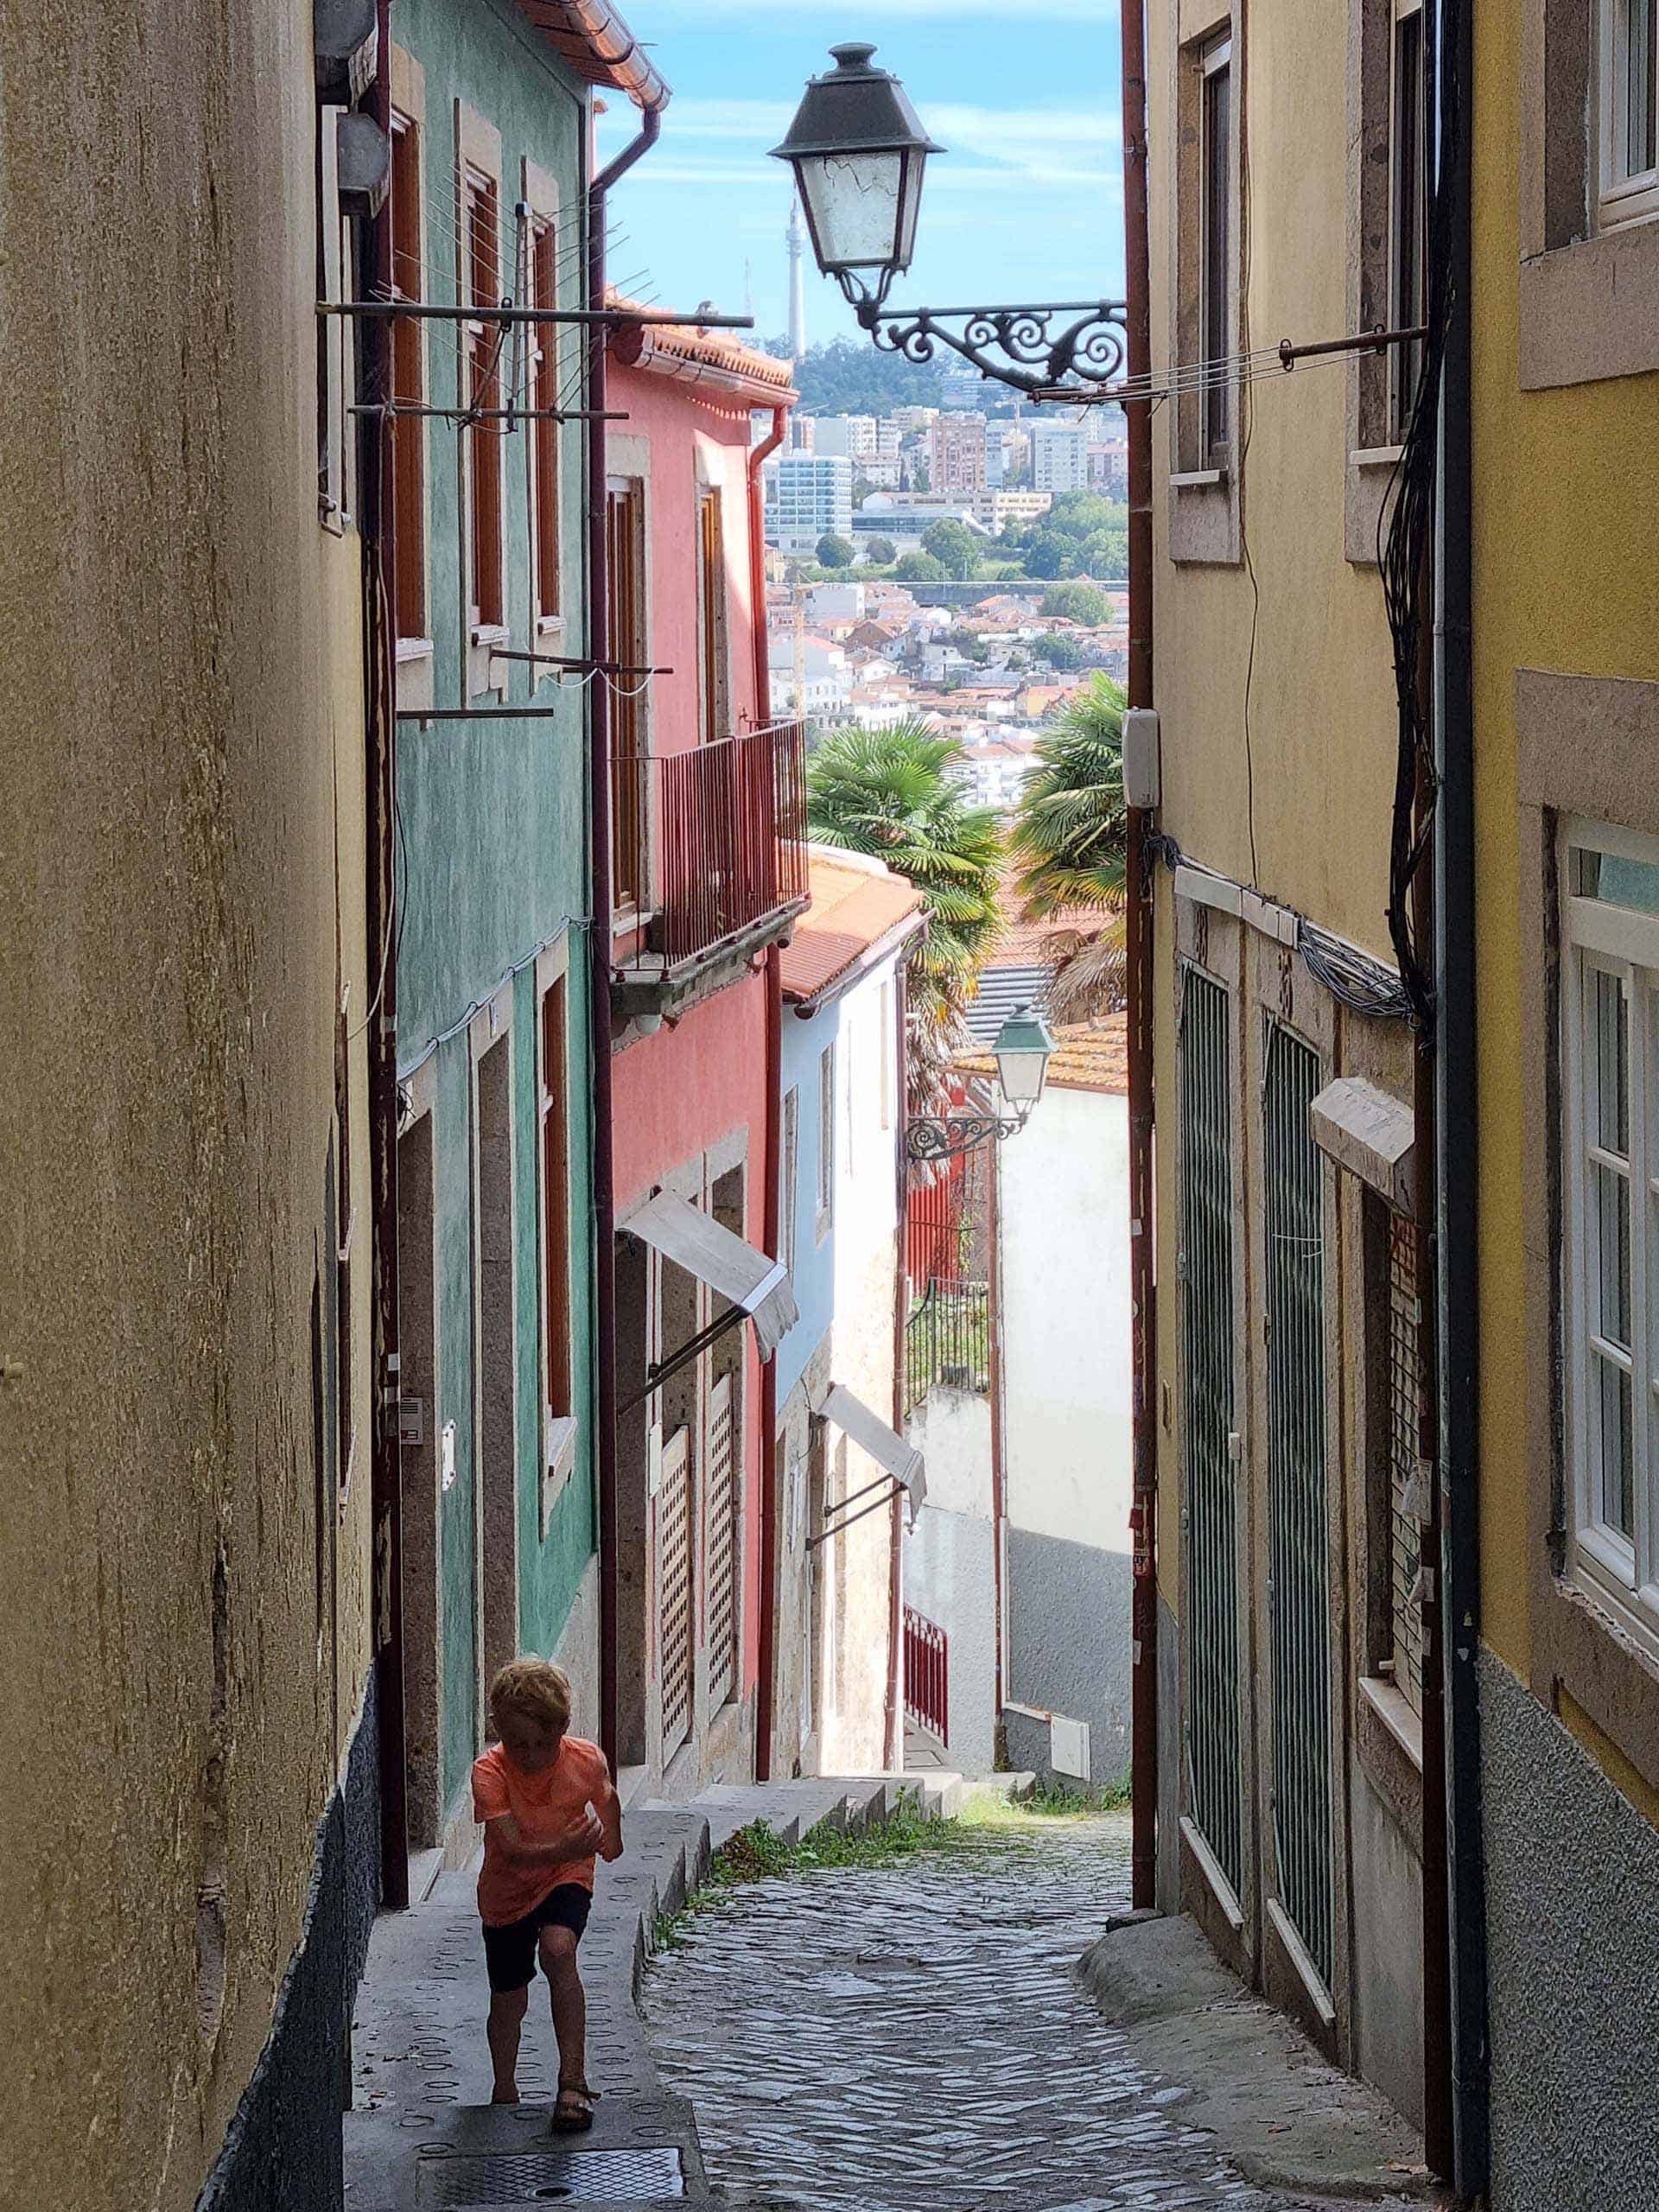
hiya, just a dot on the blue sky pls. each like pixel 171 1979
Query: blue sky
pixel 1025 205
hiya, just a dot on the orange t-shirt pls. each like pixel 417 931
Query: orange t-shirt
pixel 542 1804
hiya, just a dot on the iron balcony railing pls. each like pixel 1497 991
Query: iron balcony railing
pixel 948 1341
pixel 927 1674
pixel 710 841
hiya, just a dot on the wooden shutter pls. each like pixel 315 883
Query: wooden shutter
pixel 675 1559
pixel 408 385
pixel 483 439
pixel 556 1202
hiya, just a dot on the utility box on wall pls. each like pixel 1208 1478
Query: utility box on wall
pixel 1140 757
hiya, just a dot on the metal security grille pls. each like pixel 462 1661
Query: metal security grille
pixel 722 1547
pixel 543 2176
pixel 1212 1751
pixel 1298 1552
pixel 678 1613
pixel 1405 1540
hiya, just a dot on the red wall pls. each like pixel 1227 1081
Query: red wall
pixel 676 418
pixel 691 1086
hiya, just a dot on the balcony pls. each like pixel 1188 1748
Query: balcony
pixel 709 861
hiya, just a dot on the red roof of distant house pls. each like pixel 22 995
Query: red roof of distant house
pixel 592 39
pixel 854 910
pixel 684 349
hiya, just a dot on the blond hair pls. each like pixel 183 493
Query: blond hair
pixel 534 1688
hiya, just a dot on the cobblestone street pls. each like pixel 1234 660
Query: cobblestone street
pixel 915 2037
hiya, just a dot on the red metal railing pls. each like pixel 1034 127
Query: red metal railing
pixel 927 1674
pixel 710 841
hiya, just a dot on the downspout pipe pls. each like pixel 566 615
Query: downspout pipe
pixel 763 1713
pixel 599 940
pixel 893 1743
pixel 1456 1106
pixel 1139 946
pixel 378 523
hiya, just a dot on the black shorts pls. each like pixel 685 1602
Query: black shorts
pixel 511 1951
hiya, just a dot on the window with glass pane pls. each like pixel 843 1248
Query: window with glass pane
pixel 1629 108
pixel 1217 142
pixel 1611 1041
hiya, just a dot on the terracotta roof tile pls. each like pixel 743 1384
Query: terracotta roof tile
pixel 852 910
pixel 1088 1056
pixel 712 349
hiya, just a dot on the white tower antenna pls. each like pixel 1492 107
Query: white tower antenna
pixel 796 284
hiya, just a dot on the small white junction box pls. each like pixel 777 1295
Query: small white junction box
pixel 1140 783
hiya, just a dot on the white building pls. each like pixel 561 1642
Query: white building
pixel 808 496
pixel 907 516
pixel 1060 456
pixel 810 677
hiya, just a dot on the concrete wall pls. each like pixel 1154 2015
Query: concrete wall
pixel 949 1563
pixel 1571 1875
pixel 1069 1641
pixel 172 718
pixel 1063 1231
pixel 493 821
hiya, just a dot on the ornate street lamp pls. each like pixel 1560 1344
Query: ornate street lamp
pixel 860 153
pixel 1021 1052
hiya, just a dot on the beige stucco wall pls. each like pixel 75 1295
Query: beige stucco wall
pixel 1319 755
pixel 174 702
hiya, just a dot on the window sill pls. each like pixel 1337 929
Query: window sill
pixel 1393 1709
pixel 549 625
pixel 561 1463
pixel 1197 479
pixel 410 648
pixel 1590 311
pixel 1370 457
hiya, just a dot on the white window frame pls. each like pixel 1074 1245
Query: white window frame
pixel 1622 198
pixel 1599 937
pixel 1405 362
pixel 1214 57
pixel 789 1157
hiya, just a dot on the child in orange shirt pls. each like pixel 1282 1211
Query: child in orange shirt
pixel 548 1805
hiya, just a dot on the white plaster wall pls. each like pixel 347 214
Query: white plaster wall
pixel 853 1735
pixel 952 1431
pixel 1065 1196
pixel 950 1579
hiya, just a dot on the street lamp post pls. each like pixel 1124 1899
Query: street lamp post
pixel 859 154
pixel 1022 1050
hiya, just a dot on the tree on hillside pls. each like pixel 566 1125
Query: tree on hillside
pixel 881 552
pixel 891 793
pixel 1076 602
pixel 849 377
pixel 1053 553
pixel 1067 847
pixel 955 546
pixel 1059 651
pixel 920 569
pixel 835 552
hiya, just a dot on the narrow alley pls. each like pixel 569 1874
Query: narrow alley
pixel 919 2034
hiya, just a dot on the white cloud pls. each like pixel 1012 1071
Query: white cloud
pixel 990 148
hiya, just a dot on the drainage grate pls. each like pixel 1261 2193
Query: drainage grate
pixel 550 2177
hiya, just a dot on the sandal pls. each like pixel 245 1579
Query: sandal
pixel 573 2112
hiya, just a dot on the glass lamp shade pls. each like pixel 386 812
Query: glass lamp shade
pixel 1022 1050
pixel 858 154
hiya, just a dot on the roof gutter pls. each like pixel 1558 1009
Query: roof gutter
pixel 599 937
pixel 609 52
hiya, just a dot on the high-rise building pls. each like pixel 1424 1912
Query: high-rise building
pixel 808 496
pixel 1060 456
pixel 956 453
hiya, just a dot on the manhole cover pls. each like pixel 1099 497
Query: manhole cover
pixel 551 2176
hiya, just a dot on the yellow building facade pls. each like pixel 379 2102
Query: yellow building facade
pixel 1290 1733
pixel 1565 331
pixel 190 1854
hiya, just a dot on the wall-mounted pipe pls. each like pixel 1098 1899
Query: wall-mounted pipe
pixel 601 646
pixel 1138 945
pixel 766 1661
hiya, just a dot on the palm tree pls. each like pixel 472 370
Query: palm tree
pixel 889 793
pixel 1067 844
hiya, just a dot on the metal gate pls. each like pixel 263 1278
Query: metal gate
pixel 722 1579
pixel 1212 1726
pixel 678 1614
pixel 1298 1599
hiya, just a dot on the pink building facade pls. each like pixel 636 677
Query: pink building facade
pixel 707 826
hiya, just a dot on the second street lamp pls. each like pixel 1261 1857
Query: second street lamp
pixel 858 154
pixel 1022 1050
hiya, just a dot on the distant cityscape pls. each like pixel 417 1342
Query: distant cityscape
pixel 946 563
